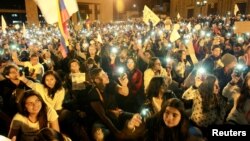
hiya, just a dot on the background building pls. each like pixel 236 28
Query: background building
pixel 20 11
pixel 192 8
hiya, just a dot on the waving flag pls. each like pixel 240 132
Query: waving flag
pixel 49 9
pixel 24 30
pixel 178 16
pixel 58 11
pixel 236 9
pixel 4 25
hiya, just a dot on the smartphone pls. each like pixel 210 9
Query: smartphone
pixel 21 71
pixel 145 113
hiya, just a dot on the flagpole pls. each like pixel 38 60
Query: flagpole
pixel 79 16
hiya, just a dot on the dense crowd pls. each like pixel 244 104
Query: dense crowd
pixel 126 80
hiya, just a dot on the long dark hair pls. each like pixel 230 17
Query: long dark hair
pixel 244 94
pixel 165 133
pixel 178 55
pixel 42 115
pixel 58 84
pixel 206 89
pixel 154 86
pixel 151 63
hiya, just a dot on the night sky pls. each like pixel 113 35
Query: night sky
pixel 12 4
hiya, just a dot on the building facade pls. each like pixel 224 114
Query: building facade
pixel 190 8
pixel 20 11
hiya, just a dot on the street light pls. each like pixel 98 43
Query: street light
pixel 201 3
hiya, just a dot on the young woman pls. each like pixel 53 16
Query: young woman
pixel 170 124
pixel 158 92
pixel 209 107
pixel 132 102
pixel 154 69
pixel 180 66
pixel 34 115
pixel 51 89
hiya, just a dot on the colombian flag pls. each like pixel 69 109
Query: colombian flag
pixel 63 17
pixel 58 11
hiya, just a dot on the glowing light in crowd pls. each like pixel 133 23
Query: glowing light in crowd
pixel 201 70
pixel 17 26
pixel 114 50
pixel 168 59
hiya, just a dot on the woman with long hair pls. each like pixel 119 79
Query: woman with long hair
pixel 154 69
pixel 170 124
pixel 158 92
pixel 209 107
pixel 133 101
pixel 34 115
pixel 180 66
pixel 51 89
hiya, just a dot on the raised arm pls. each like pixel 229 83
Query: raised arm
pixel 16 60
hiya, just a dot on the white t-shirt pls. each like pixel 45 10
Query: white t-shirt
pixel 38 68
pixel 56 102
pixel 29 129
pixel 3 138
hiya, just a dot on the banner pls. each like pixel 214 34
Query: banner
pixel 148 14
pixel 242 27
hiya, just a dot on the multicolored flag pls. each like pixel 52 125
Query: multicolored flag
pixel 58 11
pixel 49 9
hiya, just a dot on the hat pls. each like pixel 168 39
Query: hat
pixel 227 59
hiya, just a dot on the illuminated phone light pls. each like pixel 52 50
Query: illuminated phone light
pixel 120 70
pixel 114 50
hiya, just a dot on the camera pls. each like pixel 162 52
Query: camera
pixel 21 71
